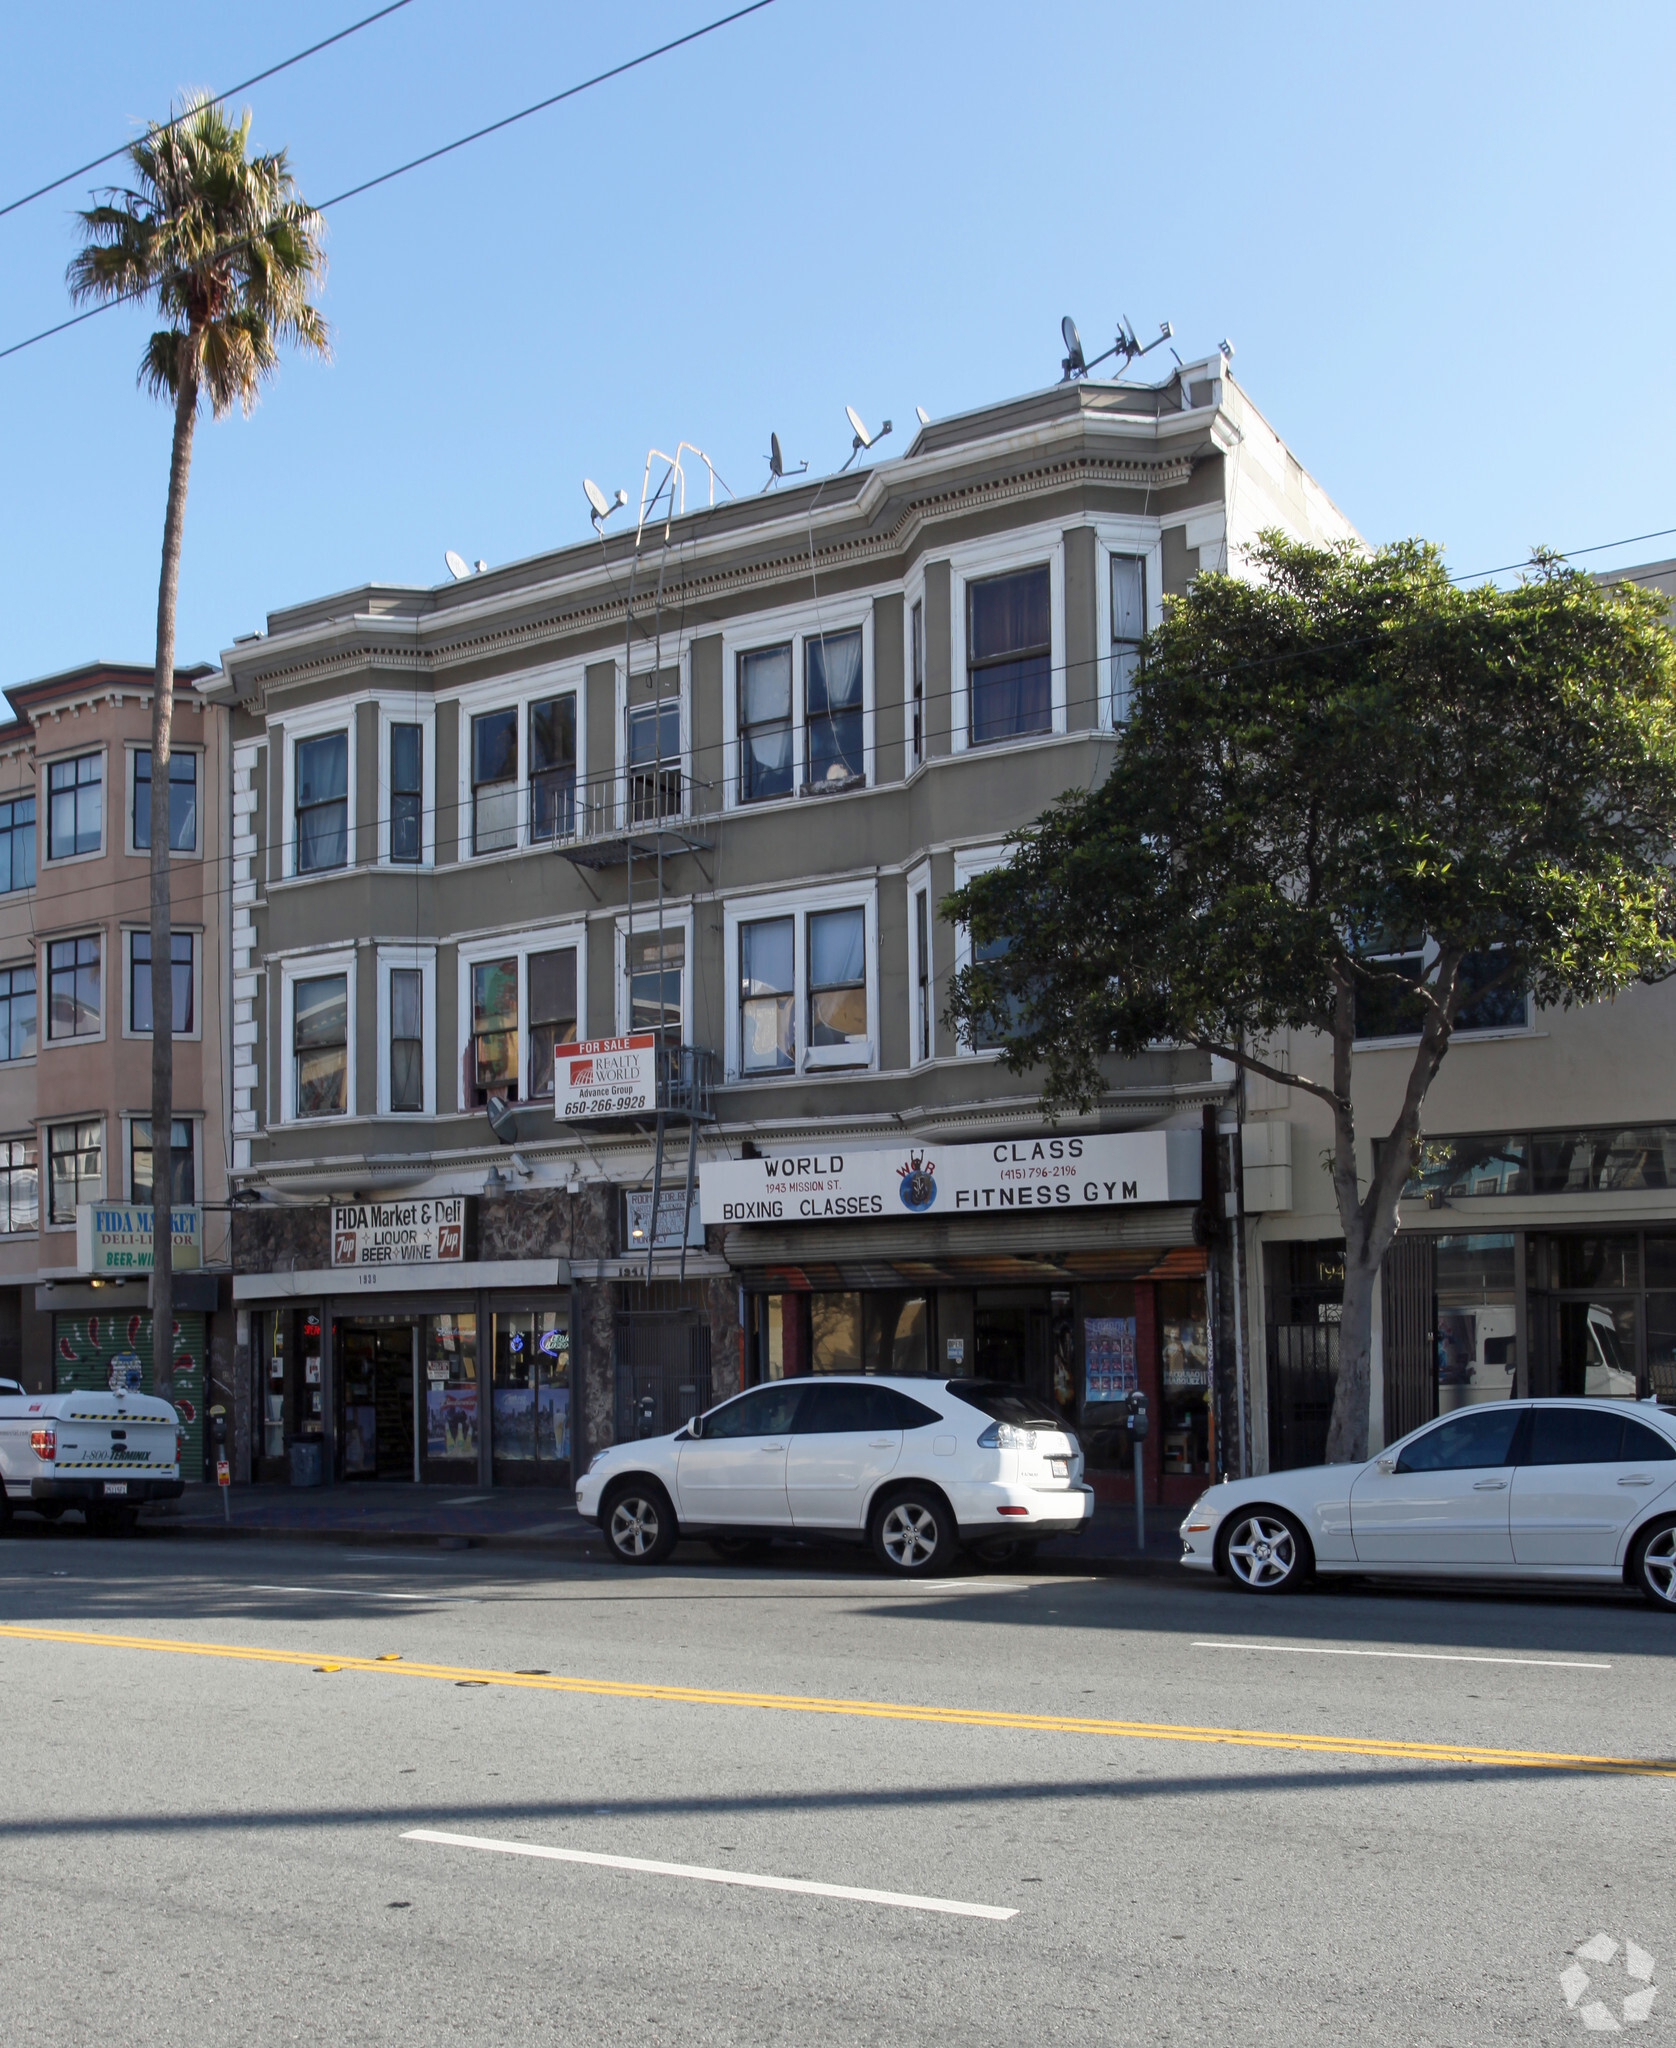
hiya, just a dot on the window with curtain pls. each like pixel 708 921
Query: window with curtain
pixel 767 997
pixel 837 978
pixel 17 1013
pixel 654 761
pixel 494 1028
pixel 1128 630
pixel 320 1044
pixel 765 734
pixel 553 768
pixel 141 1168
pixel 832 710
pixel 407 792
pixel 1009 656
pixel 73 1155
pixel 20 1185
pixel 916 681
pixel 183 800
pixel 73 1006
pixel 494 781
pixel 322 800
pixel 180 981
pixel 657 964
pixel 407 1040
pixel 17 845
pixel 552 985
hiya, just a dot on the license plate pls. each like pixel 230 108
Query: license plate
pixel 116 1486
pixel 1060 1467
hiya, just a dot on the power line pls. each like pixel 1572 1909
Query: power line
pixel 1568 554
pixel 244 85
pixel 431 155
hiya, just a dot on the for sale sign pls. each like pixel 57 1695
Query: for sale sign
pixel 606 1077
pixel 429 1233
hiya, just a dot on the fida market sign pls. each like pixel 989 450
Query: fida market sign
pixel 430 1233
pixel 115 1237
pixel 606 1077
pixel 1061 1173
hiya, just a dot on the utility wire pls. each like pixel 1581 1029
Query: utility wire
pixel 244 85
pixel 430 156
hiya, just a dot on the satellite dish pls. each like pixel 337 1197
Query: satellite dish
pixel 596 498
pixel 924 416
pixel 1075 361
pixel 863 439
pixel 776 461
pixel 458 566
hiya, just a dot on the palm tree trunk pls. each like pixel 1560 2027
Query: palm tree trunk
pixel 162 965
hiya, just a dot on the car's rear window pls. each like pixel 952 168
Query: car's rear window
pixel 1003 1403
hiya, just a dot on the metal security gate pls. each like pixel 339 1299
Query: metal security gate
pixel 1409 1332
pixel 1303 1371
pixel 662 1370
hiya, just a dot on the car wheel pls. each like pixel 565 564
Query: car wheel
pixel 739 1549
pixel 1654 1566
pixel 914 1533
pixel 1267 1552
pixel 639 1522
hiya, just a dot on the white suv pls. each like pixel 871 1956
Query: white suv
pixel 915 1467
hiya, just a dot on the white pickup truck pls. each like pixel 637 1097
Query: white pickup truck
pixel 104 1453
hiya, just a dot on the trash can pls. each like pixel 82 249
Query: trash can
pixel 305 1462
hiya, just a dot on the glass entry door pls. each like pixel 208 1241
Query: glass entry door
pixel 378 1371
pixel 530 1444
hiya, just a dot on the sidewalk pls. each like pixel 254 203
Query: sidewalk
pixel 528 1519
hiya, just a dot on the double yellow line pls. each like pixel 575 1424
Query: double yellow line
pixel 883 1710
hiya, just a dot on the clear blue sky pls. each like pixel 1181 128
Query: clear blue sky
pixel 1429 229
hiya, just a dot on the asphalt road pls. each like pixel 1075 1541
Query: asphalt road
pixel 216 1848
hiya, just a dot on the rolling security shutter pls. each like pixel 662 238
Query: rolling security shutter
pixel 1158 1227
pixel 1408 1328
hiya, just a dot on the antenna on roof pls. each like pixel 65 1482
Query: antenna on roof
pixel 777 464
pixel 1076 364
pixel 922 415
pixel 600 508
pixel 458 566
pixel 863 439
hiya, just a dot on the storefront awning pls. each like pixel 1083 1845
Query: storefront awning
pixel 1160 1241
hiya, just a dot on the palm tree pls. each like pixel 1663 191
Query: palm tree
pixel 229 252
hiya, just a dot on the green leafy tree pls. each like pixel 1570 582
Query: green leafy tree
pixel 1327 765
pixel 222 245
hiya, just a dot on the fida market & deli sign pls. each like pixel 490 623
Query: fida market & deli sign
pixel 1064 1173
pixel 429 1233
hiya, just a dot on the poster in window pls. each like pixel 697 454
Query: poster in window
pixel 1109 1351
pixel 1186 1353
pixel 451 1419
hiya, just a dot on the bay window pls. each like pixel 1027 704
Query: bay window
pixel 805 995
pixel 320 1044
pixel 494 1028
pixel 73 1167
pixel 832 710
pixel 494 781
pixel 1128 593
pixel 183 800
pixel 407 1040
pixel 765 735
pixel 141 1169
pixel 17 844
pixel 552 980
pixel 17 1013
pixel 73 978
pixel 20 1185
pixel 553 768
pixel 407 792
pixel 180 979
pixel 75 806
pixel 521 1002
pixel 1009 656
pixel 767 996
pixel 322 802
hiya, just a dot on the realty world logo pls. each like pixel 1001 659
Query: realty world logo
pixel 917 1182
pixel 581 1073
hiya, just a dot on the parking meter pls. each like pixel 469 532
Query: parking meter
pixel 1137 1422
pixel 223 1471
pixel 648 1413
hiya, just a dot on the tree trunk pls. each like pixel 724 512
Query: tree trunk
pixel 162 964
pixel 1347 1435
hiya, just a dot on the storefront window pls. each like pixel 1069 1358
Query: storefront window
pixel 273 1383
pixel 896 1333
pixel 450 1343
pixel 835 1332
pixel 1184 1359
pixel 309 1421
pixel 532 1387
pixel 1475 1320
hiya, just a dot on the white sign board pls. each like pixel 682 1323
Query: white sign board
pixel 807 1185
pixel 115 1237
pixel 606 1077
pixel 675 1220
pixel 426 1233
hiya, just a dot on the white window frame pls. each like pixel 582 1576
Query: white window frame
pixel 1123 536
pixel 1031 547
pixel 517 693
pixel 43 1165
pixel 678 917
pixel 1428 950
pixel 919 883
pixel 422 958
pixel 913 593
pixel 129 933
pixel 44 1041
pixel 338 716
pixel 971 862
pixel 627 701
pixel 305 967
pixel 130 845
pixel 45 856
pixel 797 904
pixel 130 1117
pixel 798 624
pixel 424 716
pixel 543 939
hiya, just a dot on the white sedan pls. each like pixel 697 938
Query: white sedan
pixel 915 1467
pixel 1575 1490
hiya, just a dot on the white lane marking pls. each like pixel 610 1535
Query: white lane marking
pixel 1416 1656
pixel 363 1593
pixel 752 1879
